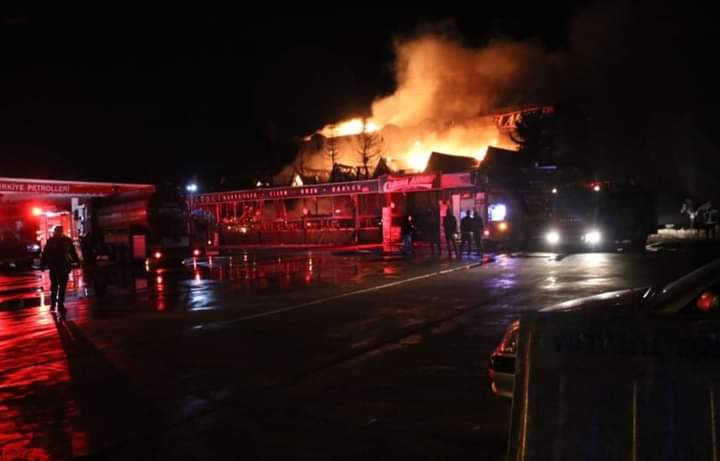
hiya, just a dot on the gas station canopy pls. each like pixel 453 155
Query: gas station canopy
pixel 23 189
pixel 38 205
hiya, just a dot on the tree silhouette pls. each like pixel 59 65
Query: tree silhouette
pixel 332 152
pixel 369 148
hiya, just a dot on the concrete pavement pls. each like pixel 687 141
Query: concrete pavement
pixel 292 357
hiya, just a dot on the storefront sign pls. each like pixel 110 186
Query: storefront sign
pixel 313 190
pixel 409 183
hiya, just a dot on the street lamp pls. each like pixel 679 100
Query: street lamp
pixel 191 188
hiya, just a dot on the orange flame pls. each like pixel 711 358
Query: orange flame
pixel 349 127
pixel 410 148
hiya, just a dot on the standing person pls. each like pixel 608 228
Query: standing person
pixel 711 221
pixel 478 230
pixel 87 248
pixel 466 232
pixel 59 255
pixel 450 227
pixel 408 230
pixel 434 232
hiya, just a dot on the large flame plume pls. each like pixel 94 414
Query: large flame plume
pixel 445 95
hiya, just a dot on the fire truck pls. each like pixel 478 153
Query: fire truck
pixel 517 198
pixel 147 226
pixel 517 208
pixel 19 248
pixel 601 215
pixel 124 222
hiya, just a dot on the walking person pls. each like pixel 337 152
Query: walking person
pixel 466 233
pixel 59 256
pixel 450 228
pixel 478 230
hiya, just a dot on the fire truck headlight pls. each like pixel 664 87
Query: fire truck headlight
pixel 497 212
pixel 196 252
pixel 157 255
pixel 552 237
pixel 593 237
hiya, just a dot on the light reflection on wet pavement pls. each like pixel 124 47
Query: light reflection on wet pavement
pixel 128 364
pixel 246 273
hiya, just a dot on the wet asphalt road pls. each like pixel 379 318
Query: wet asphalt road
pixel 281 355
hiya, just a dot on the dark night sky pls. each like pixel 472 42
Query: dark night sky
pixel 146 95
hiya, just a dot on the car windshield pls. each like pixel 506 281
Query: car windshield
pixel 575 200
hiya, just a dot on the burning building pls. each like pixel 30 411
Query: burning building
pixel 354 180
pixel 509 192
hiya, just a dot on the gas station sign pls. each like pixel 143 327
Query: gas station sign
pixel 65 188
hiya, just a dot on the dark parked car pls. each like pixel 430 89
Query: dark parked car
pixel 16 253
pixel 698 291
